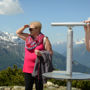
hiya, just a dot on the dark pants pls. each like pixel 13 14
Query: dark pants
pixel 29 81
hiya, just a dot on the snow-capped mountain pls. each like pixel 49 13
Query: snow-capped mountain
pixel 12 52
pixel 10 37
pixel 61 47
pixel 80 42
pixel 80 53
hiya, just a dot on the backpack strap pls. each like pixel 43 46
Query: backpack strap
pixel 44 41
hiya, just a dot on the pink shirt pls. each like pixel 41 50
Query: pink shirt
pixel 30 57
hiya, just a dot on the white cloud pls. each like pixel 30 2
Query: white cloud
pixel 9 7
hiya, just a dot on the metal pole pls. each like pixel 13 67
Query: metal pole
pixel 69 55
pixel 69 50
pixel 69 85
pixel 68 24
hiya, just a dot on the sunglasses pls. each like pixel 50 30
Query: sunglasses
pixel 32 29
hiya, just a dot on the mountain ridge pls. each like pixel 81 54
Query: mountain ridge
pixel 13 53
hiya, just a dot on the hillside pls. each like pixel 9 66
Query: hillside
pixel 80 54
pixel 59 62
pixel 12 52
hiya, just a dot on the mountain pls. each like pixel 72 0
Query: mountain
pixel 10 37
pixel 59 62
pixel 80 54
pixel 9 56
pixel 60 47
pixel 12 52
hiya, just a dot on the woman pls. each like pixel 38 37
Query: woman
pixel 33 46
pixel 87 34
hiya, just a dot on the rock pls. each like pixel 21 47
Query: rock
pixel 1 88
pixel 50 87
pixel 5 88
pixel 18 88
pixel 49 83
pixel 56 86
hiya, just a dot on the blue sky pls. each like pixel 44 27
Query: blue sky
pixel 16 13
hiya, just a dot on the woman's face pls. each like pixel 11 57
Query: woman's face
pixel 33 30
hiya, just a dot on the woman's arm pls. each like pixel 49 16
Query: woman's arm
pixel 20 33
pixel 87 35
pixel 48 46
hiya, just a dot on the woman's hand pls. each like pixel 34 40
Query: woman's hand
pixel 37 52
pixel 87 27
pixel 26 26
